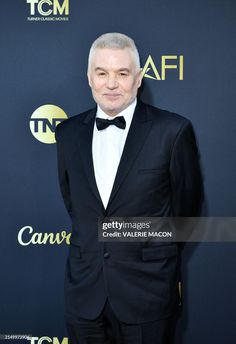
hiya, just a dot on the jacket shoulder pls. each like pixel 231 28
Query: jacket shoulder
pixel 68 126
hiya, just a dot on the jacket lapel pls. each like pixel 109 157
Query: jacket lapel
pixel 138 132
pixel 85 148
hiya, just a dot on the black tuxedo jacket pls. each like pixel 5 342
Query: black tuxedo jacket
pixel 158 175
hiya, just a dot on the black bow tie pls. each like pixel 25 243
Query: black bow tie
pixel 104 123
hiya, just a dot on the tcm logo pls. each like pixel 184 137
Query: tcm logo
pixel 48 9
pixel 167 62
pixel 44 340
pixel 44 120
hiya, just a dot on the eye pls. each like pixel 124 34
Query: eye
pixel 101 74
pixel 123 74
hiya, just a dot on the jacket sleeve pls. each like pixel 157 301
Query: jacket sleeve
pixel 63 174
pixel 185 174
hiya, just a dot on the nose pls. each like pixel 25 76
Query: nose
pixel 112 82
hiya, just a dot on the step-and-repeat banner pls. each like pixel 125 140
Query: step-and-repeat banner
pixel 188 56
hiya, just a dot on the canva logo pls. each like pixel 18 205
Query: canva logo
pixel 27 236
pixel 168 62
pixel 44 120
pixel 48 9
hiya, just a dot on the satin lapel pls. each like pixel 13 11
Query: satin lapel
pixel 138 132
pixel 85 148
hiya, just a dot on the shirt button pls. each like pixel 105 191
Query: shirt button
pixel 106 255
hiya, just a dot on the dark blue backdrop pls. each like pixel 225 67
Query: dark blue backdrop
pixel 45 62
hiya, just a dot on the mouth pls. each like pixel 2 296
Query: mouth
pixel 112 95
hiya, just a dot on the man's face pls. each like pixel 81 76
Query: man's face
pixel 114 79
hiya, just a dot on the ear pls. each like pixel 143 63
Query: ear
pixel 89 78
pixel 140 77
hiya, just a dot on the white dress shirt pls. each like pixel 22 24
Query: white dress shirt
pixel 107 149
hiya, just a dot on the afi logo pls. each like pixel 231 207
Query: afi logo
pixel 167 62
pixel 49 7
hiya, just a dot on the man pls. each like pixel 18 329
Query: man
pixel 123 158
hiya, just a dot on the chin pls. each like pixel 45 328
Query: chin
pixel 112 112
pixel 110 109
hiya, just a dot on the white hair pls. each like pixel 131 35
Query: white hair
pixel 114 40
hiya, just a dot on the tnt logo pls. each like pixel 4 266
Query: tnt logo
pixel 44 120
pixel 44 340
pixel 49 7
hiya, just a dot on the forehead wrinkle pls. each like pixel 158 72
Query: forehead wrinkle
pixel 122 69
pixel 110 59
